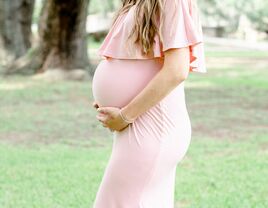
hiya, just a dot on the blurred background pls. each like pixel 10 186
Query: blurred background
pixel 53 150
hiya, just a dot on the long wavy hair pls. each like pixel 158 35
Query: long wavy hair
pixel 148 21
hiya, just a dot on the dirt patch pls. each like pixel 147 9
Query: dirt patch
pixel 227 113
pixel 22 138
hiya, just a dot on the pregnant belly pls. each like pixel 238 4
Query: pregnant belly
pixel 117 81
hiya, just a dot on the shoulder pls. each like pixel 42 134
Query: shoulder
pixel 170 8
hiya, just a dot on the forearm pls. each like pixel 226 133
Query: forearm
pixel 158 87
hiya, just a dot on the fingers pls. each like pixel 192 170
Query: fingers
pixel 105 125
pixel 102 120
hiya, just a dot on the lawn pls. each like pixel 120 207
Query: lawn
pixel 53 151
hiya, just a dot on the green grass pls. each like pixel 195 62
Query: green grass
pixel 53 151
pixel 53 176
pixel 224 174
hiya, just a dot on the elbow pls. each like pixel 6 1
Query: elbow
pixel 180 76
pixel 177 74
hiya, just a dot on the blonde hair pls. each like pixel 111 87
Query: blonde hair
pixel 147 25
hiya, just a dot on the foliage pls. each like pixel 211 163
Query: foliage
pixel 227 12
pixel 257 11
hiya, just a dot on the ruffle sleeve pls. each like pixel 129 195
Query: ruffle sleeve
pixel 182 28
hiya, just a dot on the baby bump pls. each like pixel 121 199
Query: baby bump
pixel 117 81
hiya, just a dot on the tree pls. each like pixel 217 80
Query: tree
pixel 227 13
pixel 62 44
pixel 15 28
pixel 259 17
pixel 222 13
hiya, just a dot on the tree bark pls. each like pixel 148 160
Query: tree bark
pixel 62 44
pixel 62 31
pixel 15 28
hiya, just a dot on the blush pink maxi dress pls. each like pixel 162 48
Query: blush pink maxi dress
pixel 142 166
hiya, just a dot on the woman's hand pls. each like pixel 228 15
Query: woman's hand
pixel 96 106
pixel 111 118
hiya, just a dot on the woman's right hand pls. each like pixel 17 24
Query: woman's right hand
pixel 95 105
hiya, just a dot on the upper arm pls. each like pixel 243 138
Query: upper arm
pixel 181 36
pixel 177 61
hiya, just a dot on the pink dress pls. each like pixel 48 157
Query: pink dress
pixel 142 166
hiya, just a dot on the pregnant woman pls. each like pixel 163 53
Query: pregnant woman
pixel 138 90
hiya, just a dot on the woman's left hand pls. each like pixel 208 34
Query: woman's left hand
pixel 110 118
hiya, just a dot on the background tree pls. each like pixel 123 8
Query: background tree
pixel 227 13
pixel 222 13
pixel 257 11
pixel 62 44
pixel 15 28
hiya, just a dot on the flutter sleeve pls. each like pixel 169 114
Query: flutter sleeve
pixel 181 27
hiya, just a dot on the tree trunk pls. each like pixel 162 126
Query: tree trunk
pixel 62 30
pixel 62 43
pixel 15 28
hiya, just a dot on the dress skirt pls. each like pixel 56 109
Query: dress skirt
pixel 142 166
